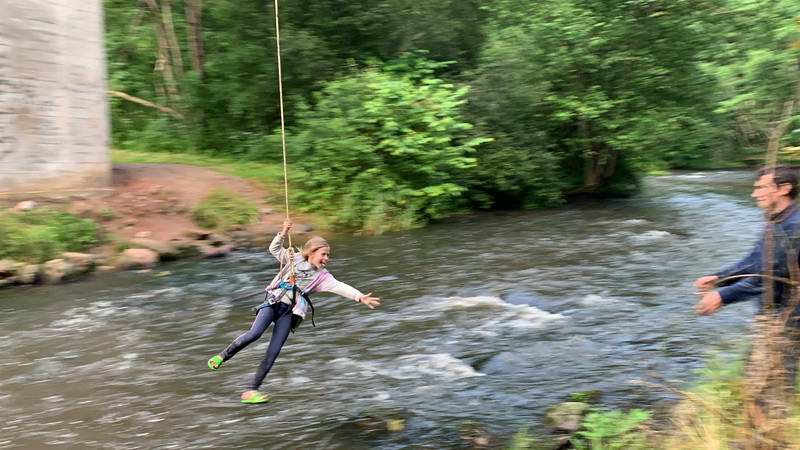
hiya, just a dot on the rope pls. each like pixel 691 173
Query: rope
pixel 762 275
pixel 290 251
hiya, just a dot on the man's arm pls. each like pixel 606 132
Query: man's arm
pixel 743 289
pixel 737 290
pixel 749 264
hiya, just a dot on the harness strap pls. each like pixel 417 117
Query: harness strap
pixel 305 297
pixel 285 287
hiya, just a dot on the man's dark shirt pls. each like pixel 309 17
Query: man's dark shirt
pixel 786 227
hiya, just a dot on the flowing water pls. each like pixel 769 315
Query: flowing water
pixel 486 319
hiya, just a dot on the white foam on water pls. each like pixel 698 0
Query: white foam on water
pixel 95 316
pixel 651 236
pixel 352 367
pixel 410 367
pixel 688 176
pixel 635 222
pixel 594 300
pixel 468 302
pixel 437 365
pixel 299 380
pixel 381 396
pixel 508 314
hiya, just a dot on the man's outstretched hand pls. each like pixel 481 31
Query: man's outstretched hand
pixel 709 303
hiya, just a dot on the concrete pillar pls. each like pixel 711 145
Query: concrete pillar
pixel 54 123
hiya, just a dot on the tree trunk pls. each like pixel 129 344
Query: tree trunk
pixel 767 391
pixel 194 20
pixel 599 163
pixel 163 64
pixel 172 40
pixel 590 172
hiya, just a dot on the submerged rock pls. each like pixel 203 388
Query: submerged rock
pixel 27 205
pixel 8 268
pixel 57 270
pixel 476 436
pixel 166 251
pixel 137 258
pixel 82 262
pixel 209 251
pixel 28 274
pixel 566 417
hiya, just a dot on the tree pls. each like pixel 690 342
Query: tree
pixel 600 86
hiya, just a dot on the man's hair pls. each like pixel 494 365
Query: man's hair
pixel 781 175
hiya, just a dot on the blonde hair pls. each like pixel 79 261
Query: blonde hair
pixel 314 244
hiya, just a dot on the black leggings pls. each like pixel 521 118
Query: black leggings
pixel 281 314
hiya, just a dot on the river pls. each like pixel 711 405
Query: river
pixel 486 319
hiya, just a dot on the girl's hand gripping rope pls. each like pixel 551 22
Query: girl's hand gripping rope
pixel 287 225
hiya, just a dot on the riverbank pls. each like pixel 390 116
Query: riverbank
pixel 149 214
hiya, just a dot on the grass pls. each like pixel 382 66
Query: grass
pixel 224 210
pixel 42 234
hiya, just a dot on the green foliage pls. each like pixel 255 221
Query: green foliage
pixel 522 440
pixel 224 210
pixel 446 29
pixel 578 96
pixel 588 85
pixel 612 430
pixel 757 71
pixel 384 148
pixel 235 100
pixel 42 234
pixel 122 245
pixel 722 380
pixel 106 214
pixel 584 396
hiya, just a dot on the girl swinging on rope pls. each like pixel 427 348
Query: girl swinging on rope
pixel 287 303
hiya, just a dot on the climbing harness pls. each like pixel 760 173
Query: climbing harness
pixel 285 286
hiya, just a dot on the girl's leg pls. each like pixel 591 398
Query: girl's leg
pixel 263 319
pixel 280 332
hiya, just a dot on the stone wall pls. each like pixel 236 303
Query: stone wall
pixel 54 125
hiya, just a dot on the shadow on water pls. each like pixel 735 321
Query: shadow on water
pixel 488 319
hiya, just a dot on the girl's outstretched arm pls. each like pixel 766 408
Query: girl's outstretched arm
pixel 335 286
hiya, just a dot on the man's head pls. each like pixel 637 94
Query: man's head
pixel 775 188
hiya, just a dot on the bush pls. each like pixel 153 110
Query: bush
pixel 612 430
pixel 42 234
pixel 224 210
pixel 385 148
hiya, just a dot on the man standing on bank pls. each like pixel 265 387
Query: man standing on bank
pixel 775 192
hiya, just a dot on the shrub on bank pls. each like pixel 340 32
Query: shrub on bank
pixel 44 233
